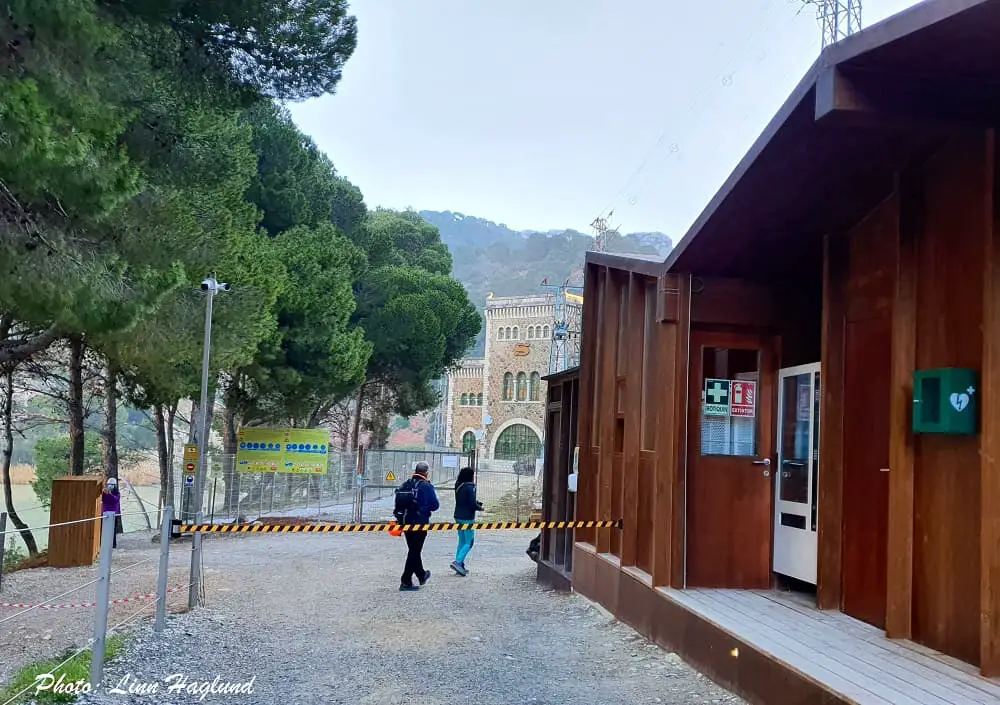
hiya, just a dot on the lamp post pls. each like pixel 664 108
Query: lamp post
pixel 211 287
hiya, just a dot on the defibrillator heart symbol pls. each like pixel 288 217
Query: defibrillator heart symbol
pixel 959 401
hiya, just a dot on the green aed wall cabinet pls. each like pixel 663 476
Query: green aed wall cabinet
pixel 944 401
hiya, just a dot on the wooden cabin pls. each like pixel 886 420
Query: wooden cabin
pixel 794 414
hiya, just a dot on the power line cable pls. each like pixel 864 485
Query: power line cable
pixel 727 78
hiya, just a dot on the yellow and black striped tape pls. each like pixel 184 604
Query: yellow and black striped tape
pixel 375 528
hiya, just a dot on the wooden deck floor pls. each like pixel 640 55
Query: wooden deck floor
pixel 847 656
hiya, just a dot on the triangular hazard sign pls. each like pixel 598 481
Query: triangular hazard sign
pixel 390 477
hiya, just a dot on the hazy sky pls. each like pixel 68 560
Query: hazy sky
pixel 540 113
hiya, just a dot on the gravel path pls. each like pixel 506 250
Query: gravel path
pixel 28 636
pixel 318 619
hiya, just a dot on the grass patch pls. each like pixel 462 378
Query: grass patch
pixel 75 671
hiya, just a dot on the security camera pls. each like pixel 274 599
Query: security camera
pixel 206 284
pixel 224 286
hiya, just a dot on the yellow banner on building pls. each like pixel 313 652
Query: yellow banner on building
pixel 288 450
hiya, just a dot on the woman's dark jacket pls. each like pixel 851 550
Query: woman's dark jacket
pixel 466 505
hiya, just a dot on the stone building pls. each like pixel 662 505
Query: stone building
pixel 497 403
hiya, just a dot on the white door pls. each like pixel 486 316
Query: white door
pixel 795 545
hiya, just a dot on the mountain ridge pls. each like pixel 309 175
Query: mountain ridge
pixel 491 257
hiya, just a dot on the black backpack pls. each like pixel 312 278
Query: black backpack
pixel 406 499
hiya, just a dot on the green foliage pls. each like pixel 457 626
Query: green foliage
pixel 284 50
pixel 13 555
pixel 75 670
pixel 52 461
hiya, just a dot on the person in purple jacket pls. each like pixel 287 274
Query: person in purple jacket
pixel 111 501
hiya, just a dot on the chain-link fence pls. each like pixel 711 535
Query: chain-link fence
pixel 231 495
pixel 509 489
pixel 385 470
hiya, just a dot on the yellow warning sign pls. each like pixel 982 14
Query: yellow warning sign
pixel 390 476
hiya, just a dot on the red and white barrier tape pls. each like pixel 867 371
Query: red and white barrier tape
pixel 121 600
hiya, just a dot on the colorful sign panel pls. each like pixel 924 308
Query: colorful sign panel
pixel 717 397
pixel 744 399
pixel 288 450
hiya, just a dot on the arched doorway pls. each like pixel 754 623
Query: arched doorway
pixel 468 442
pixel 517 442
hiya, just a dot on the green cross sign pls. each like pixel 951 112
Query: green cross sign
pixel 716 397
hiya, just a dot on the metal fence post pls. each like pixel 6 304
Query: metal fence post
pixel 161 578
pixel 3 542
pixel 517 496
pixel 103 597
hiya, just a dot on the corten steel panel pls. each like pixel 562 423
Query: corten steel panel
pixel 635 600
pixel 606 583
pixel 74 498
pixel 551 576
pixel 989 636
pixel 585 572
pixel 947 484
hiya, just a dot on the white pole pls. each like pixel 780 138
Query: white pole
pixel 199 481
pixel 103 596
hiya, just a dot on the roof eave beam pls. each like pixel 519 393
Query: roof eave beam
pixel 856 97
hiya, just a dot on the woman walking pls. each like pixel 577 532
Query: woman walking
pixel 466 506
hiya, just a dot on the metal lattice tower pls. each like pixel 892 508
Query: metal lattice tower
pixel 838 18
pixel 564 351
pixel 603 229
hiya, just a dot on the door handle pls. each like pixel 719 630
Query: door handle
pixel 794 464
pixel 765 461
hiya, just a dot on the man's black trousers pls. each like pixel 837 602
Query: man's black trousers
pixel 414 563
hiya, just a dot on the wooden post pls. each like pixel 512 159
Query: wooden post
pixel 831 491
pixel 899 552
pixel 989 450
pixel 634 337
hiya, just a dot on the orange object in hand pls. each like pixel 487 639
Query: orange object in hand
pixel 395 530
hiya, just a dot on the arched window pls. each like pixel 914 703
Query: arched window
pixel 465 400
pixel 545 332
pixel 522 386
pixel 538 333
pixel 500 333
pixel 468 442
pixel 479 399
pixel 531 332
pixel 516 336
pixel 535 386
pixel 508 387
pixel 516 442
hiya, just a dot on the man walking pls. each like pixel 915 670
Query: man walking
pixel 416 500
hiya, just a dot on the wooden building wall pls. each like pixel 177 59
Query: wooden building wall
pixel 555 563
pixel 903 515
pixel 909 527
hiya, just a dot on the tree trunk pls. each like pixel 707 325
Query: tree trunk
pixel 8 453
pixel 76 406
pixel 171 418
pixel 162 455
pixel 358 403
pixel 111 423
